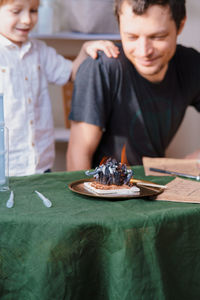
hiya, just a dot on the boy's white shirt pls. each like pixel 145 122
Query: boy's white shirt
pixel 24 76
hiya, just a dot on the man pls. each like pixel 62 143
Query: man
pixel 139 99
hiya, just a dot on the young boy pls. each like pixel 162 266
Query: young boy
pixel 26 67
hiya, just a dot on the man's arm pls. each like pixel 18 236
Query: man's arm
pixel 84 139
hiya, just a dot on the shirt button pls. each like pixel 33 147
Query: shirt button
pixel 29 100
pixel 26 78
pixel 31 122
pixel 33 144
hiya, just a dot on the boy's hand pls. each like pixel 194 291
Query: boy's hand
pixel 91 48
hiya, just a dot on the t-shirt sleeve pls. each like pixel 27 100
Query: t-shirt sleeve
pixel 189 66
pixel 196 103
pixel 93 92
pixel 194 80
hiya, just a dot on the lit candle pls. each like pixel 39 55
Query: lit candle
pixel 2 143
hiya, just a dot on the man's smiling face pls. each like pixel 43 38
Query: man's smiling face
pixel 149 40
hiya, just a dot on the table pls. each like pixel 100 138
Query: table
pixel 94 249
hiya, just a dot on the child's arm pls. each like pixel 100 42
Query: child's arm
pixel 90 49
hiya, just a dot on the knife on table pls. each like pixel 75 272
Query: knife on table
pixel 175 173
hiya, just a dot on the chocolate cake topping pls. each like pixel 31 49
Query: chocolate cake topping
pixel 111 172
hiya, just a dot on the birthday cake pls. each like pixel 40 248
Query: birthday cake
pixel 111 177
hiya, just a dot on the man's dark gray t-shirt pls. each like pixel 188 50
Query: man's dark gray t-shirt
pixel 133 112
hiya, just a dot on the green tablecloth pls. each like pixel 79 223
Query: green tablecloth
pixel 89 248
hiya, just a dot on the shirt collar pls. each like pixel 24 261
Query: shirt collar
pixel 7 43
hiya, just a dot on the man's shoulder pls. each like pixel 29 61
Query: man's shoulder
pixel 184 52
pixel 107 63
pixel 187 59
pixel 121 59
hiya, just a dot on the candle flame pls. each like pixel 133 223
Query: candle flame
pixel 124 159
pixel 103 160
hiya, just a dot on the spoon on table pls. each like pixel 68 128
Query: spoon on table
pixel 10 202
pixel 45 200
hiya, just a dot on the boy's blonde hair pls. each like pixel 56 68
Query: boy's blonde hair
pixel 3 2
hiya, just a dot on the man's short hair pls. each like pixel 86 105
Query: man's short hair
pixel 139 7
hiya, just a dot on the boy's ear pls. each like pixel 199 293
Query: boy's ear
pixel 182 25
